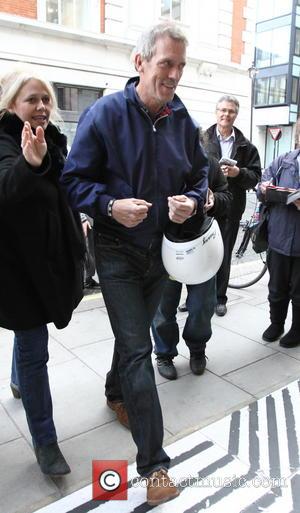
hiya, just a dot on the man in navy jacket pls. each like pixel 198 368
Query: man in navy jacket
pixel 134 165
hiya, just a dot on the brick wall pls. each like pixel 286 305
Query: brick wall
pixel 238 26
pixel 26 8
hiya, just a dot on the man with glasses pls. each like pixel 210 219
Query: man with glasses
pixel 225 140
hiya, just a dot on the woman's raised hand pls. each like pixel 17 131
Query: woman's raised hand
pixel 34 147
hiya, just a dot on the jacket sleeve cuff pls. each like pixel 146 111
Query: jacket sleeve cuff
pixel 199 203
pixel 103 203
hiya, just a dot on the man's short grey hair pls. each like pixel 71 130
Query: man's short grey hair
pixel 147 40
pixel 231 99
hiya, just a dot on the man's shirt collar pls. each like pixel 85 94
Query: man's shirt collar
pixel 230 137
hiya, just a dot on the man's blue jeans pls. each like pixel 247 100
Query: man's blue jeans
pixel 29 372
pixel 132 280
pixel 201 300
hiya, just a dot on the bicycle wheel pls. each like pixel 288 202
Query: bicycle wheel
pixel 247 267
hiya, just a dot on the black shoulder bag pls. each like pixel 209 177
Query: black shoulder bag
pixel 259 234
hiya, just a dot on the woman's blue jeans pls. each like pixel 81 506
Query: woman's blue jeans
pixel 132 280
pixel 30 373
pixel 200 302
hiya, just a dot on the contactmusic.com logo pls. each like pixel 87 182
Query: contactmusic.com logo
pixel 110 480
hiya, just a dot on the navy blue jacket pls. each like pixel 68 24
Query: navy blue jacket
pixel 118 152
pixel 284 220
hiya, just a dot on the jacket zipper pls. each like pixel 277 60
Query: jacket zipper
pixel 155 170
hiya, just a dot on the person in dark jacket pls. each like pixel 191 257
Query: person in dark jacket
pixel 283 257
pixel 225 140
pixel 135 163
pixel 201 299
pixel 41 247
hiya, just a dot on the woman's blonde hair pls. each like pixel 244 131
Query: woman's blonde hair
pixel 13 81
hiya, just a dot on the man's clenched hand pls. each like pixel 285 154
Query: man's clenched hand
pixel 130 211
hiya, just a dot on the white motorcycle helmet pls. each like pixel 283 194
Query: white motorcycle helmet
pixel 191 257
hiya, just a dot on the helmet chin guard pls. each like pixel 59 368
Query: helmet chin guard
pixel 192 257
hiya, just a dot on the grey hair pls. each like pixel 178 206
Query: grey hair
pixel 230 99
pixel 13 81
pixel 147 40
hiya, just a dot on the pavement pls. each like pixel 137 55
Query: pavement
pixel 242 370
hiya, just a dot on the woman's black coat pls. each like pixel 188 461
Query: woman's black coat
pixel 41 246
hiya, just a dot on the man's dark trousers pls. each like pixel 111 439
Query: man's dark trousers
pixel 229 231
pixel 197 331
pixel 132 281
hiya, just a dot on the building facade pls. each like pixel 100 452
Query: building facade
pixel 276 90
pixel 84 48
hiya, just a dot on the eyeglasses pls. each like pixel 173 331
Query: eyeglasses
pixel 228 111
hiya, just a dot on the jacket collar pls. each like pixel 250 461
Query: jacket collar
pixel 240 139
pixel 290 156
pixel 131 96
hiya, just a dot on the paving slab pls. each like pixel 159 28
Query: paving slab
pixel 194 401
pixel 293 352
pixel 227 351
pixel 13 408
pixel 23 488
pixel 84 328
pixel 8 430
pixel 58 353
pixel 96 356
pixel 78 401
pixel 109 442
pixel 266 375
pixel 244 319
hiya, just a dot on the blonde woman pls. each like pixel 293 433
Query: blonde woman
pixel 41 247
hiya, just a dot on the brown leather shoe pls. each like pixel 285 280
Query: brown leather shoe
pixel 119 408
pixel 160 488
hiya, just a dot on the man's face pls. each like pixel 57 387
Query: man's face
pixel 159 77
pixel 226 115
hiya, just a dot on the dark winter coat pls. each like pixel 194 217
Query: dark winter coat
pixel 41 246
pixel 222 196
pixel 247 157
pixel 284 220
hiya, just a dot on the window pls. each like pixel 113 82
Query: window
pixel 277 93
pixel 270 91
pixel 268 9
pixel 261 91
pixel 72 100
pixel 297 42
pixel 76 99
pixel 171 9
pixel 80 14
pixel 295 89
pixel 263 49
pixel 273 47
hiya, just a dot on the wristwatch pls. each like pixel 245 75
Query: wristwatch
pixel 109 207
